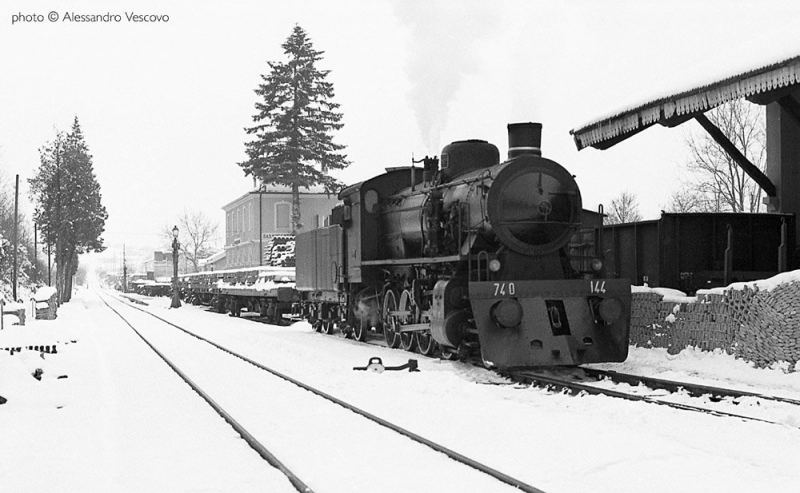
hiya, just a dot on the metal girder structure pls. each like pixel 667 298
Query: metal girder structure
pixel 751 169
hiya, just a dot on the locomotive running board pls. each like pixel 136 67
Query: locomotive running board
pixel 412 261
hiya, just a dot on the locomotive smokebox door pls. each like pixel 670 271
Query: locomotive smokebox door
pixel 534 206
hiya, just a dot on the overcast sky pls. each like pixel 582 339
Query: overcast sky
pixel 163 105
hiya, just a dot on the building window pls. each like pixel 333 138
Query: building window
pixel 283 215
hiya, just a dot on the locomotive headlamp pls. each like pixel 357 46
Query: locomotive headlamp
pixel 610 309
pixel 597 264
pixel 507 313
pixel 494 265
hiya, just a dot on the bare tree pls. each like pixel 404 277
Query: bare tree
pixel 713 178
pixel 197 233
pixel 623 209
pixel 685 200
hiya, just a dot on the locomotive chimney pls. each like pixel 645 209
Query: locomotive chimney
pixel 431 166
pixel 524 138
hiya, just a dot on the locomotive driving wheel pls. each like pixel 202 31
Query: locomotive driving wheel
pixel 391 325
pixel 366 313
pixel 407 309
pixel 425 342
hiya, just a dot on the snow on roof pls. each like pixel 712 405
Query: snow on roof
pixel 753 75
pixel 213 258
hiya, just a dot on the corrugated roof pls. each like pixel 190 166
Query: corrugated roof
pixel 680 106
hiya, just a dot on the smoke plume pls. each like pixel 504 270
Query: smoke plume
pixel 444 35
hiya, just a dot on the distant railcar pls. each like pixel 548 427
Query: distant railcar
pixel 268 291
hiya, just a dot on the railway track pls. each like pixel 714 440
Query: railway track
pixel 305 427
pixel 712 400
pixel 719 401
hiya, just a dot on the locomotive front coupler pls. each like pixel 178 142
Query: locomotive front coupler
pixel 376 366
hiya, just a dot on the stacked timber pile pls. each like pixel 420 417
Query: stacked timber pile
pixel 758 325
pixel 649 320
pixel 706 324
pixel 767 323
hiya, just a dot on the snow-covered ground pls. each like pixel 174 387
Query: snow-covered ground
pixel 120 421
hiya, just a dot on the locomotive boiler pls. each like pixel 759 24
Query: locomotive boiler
pixel 468 254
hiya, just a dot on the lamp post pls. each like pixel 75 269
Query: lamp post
pixel 176 297
pixel 260 226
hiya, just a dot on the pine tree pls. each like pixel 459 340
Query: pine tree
pixel 293 146
pixel 68 204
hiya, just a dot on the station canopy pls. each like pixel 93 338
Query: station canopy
pixel 760 82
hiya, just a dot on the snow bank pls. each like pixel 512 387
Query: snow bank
pixel 761 285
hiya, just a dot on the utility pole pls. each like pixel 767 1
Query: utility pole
pixel 49 266
pixel 124 271
pixel 59 253
pixel 35 255
pixel 16 223
pixel 260 226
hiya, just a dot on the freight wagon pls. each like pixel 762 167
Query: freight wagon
pixel 691 251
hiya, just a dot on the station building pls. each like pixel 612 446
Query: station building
pixel 160 267
pixel 261 219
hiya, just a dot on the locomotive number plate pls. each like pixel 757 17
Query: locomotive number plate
pixel 597 287
pixel 504 289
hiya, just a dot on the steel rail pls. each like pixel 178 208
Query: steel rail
pixel 693 389
pixel 505 478
pixel 575 387
pixel 249 438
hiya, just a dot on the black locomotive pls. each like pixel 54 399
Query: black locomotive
pixel 466 254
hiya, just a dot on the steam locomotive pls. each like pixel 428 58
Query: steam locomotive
pixel 469 254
